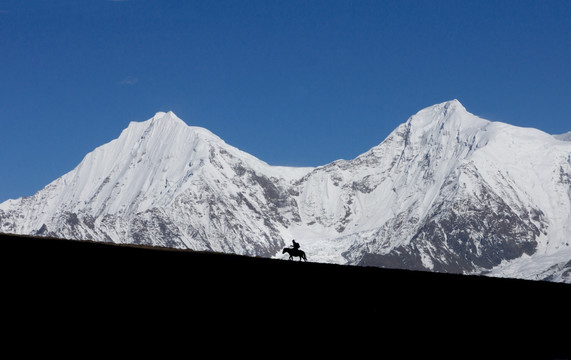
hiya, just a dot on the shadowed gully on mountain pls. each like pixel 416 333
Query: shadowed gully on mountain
pixel 89 289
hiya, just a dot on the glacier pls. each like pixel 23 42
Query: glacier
pixel 445 191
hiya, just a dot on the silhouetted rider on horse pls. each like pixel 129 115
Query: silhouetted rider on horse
pixel 295 244
pixel 294 251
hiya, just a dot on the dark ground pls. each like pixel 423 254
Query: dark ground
pixel 102 299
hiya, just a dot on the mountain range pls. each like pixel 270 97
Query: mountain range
pixel 446 191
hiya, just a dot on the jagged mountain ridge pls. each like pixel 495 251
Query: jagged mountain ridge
pixel 446 191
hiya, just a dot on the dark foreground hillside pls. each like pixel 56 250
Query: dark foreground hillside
pixel 85 298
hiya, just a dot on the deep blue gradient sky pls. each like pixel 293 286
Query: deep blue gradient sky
pixel 299 83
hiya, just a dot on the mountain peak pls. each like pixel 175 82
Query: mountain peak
pixel 454 103
pixel 445 108
pixel 166 117
pixel 447 114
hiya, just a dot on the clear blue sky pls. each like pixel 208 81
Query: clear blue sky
pixel 297 83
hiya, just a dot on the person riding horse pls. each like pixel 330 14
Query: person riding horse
pixel 295 244
pixel 294 251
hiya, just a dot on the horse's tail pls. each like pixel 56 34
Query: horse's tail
pixel 303 253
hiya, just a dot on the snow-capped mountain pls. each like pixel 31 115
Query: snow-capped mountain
pixel 163 183
pixel 445 191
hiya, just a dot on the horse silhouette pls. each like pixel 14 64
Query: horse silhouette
pixel 294 253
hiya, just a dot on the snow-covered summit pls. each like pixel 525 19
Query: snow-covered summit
pixel 166 116
pixel 168 122
pixel 438 112
pixel 148 157
pixel 444 118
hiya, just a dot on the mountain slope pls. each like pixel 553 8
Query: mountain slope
pixel 445 191
pixel 141 289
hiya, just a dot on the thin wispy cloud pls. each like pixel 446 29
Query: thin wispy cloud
pixel 129 80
